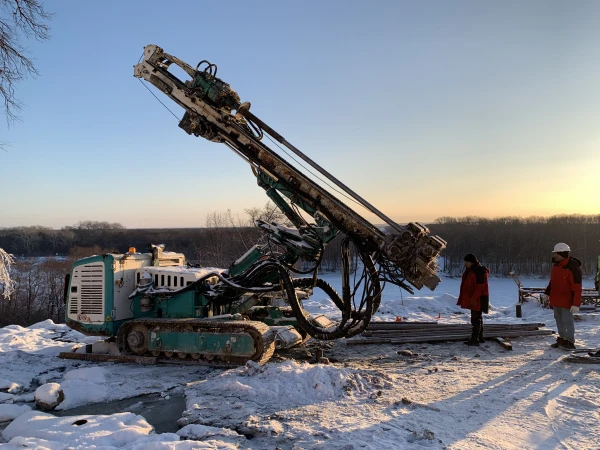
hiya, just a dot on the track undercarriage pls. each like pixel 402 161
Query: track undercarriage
pixel 202 341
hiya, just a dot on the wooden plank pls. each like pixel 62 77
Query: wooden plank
pixel 582 359
pixel 108 358
pixel 503 342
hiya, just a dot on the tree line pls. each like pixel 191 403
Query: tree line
pixel 218 244
pixel 520 244
pixel 504 244
pixel 523 245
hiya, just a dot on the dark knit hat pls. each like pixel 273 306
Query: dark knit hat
pixel 471 258
pixel 563 254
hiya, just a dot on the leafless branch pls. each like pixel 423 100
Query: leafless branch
pixel 19 20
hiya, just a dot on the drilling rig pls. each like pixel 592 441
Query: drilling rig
pixel 154 304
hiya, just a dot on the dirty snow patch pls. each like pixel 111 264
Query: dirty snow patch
pixel 288 383
pixel 202 431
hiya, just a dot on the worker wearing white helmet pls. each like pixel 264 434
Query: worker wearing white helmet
pixel 597 284
pixel 564 290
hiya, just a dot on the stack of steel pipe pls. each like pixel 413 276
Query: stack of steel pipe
pixel 413 332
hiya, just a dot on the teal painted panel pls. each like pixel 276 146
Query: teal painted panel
pixel 201 342
pixel 244 263
pixel 105 329
pixel 185 305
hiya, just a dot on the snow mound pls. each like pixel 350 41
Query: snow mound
pixel 40 338
pixel 11 412
pixel 79 392
pixel 83 386
pixel 298 383
pixel 35 429
pixel 247 399
pixel 47 324
pixel 92 374
pixel 6 398
pixel 115 430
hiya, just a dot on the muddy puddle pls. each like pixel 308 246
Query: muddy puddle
pixel 160 412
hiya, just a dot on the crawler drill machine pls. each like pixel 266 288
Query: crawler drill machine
pixel 156 305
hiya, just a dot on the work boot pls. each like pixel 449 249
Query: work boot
pixel 475 332
pixel 558 343
pixel 568 345
pixel 474 341
pixel 481 339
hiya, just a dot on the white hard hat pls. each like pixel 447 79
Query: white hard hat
pixel 561 247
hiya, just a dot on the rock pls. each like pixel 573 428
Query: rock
pixel 48 396
pixel 405 353
pixel 182 422
pixel 323 360
pixel 253 368
pixel 427 434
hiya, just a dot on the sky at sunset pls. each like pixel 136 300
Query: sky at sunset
pixel 426 109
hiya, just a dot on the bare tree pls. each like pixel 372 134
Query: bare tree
pixel 19 20
pixel 268 213
pixel 6 283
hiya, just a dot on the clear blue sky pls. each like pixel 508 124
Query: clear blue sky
pixel 426 109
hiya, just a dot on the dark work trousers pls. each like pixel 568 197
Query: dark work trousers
pixel 477 322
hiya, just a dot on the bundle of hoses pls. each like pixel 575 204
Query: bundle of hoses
pixel 355 318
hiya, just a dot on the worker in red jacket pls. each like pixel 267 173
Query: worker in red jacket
pixel 564 290
pixel 597 277
pixel 474 295
pixel 597 286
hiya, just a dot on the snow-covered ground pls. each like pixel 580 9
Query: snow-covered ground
pixel 436 396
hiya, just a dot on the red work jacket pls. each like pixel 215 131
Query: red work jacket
pixel 564 288
pixel 474 293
